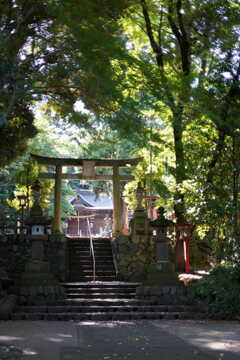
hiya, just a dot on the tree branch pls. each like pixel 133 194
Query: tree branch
pixel 216 156
pixel 181 35
pixel 156 49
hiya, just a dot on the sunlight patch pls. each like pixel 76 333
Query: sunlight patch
pixel 29 352
pixel 217 345
pixel 10 338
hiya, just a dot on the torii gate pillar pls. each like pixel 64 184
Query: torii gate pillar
pixel 117 211
pixel 57 227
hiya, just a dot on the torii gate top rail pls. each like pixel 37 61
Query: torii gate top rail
pixel 108 163
pixel 88 173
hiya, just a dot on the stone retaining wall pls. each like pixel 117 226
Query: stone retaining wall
pixel 133 257
pixel 166 294
pixel 15 253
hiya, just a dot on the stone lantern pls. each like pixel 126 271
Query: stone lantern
pixel 37 224
pixel 139 194
pixel 38 284
pixel 161 227
pixel 163 270
pixel 140 222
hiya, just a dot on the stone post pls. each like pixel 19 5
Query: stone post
pixel 117 219
pixel 162 272
pixel 37 284
pixel 57 201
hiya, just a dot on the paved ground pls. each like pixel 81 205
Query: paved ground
pixel 137 340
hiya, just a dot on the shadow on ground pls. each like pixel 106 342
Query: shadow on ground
pixel 137 340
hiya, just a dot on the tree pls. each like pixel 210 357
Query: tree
pixel 176 47
pixel 41 60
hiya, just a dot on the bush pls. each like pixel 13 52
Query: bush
pixel 221 291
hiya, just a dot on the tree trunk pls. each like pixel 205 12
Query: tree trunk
pixel 180 165
pixel 235 179
pixel 180 175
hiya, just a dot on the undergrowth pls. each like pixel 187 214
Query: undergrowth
pixel 220 290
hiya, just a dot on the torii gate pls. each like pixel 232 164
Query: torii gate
pixel 88 173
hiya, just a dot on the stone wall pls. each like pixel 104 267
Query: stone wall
pixel 167 294
pixel 134 256
pixel 57 256
pixel 15 253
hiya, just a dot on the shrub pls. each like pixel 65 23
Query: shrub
pixel 221 291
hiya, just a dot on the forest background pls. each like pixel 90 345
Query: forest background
pixel 150 78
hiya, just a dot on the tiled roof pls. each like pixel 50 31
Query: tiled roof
pixel 87 198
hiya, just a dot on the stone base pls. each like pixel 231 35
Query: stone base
pixel 7 305
pixel 38 285
pixel 165 295
pixel 162 274
pixel 37 266
pixel 57 237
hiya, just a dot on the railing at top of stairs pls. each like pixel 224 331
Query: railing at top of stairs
pixel 91 249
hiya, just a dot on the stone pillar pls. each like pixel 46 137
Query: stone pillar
pixel 117 221
pixel 162 271
pixel 57 201
pixel 125 229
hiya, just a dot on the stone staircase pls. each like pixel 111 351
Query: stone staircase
pixel 104 301
pixel 81 263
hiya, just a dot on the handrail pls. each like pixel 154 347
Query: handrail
pixel 114 247
pixel 92 249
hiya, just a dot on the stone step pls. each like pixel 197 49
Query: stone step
pixel 104 302
pixel 97 245
pixel 89 277
pixel 87 244
pixel 79 243
pixel 116 284
pixel 109 267
pixel 97 271
pixel 77 270
pixel 100 295
pixel 98 290
pixel 86 252
pixel 83 253
pixel 81 262
pixel 80 265
pixel 86 261
pixel 89 271
pixel 103 308
pixel 102 316
pixel 99 258
pixel 85 238
pixel 77 277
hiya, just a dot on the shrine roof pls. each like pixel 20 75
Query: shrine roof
pixel 88 199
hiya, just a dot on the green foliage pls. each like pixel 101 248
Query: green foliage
pixel 67 195
pixel 221 291
pixel 58 52
pixel 129 62
pixel 7 186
